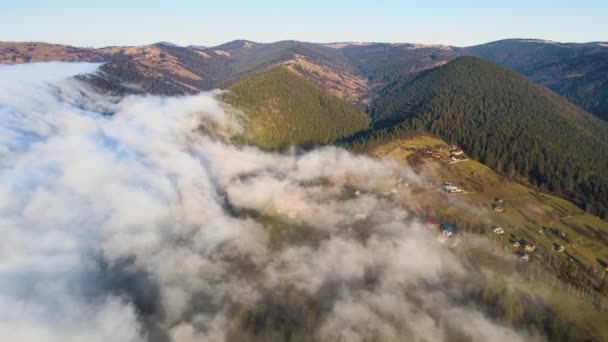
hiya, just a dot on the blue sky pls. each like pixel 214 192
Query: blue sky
pixel 465 22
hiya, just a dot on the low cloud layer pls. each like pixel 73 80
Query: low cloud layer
pixel 136 226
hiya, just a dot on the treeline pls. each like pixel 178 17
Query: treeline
pixel 284 109
pixel 124 70
pixel 507 122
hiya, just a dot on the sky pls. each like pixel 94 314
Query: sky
pixel 185 22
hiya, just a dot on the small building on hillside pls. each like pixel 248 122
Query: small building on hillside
pixel 457 152
pixel 558 247
pixel 446 230
pixel 451 188
pixel 529 246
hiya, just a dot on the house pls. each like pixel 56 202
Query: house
pixel 516 244
pixel 558 247
pixel 499 230
pixel 529 246
pixel 451 188
pixel 457 152
pixel 446 230
pixel 498 209
pixel 524 257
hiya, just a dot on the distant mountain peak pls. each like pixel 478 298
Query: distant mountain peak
pixel 413 46
pixel 197 47
pixel 339 45
pixel 235 44
pixel 166 44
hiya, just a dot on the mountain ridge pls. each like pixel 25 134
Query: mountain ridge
pixel 355 71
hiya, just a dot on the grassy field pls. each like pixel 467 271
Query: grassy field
pixel 400 149
pixel 526 214
pixel 577 311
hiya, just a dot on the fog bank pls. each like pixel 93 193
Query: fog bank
pixel 137 226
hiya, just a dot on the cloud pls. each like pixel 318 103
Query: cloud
pixel 138 226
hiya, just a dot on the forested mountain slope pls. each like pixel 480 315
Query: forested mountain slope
pixel 577 71
pixel 355 72
pixel 285 109
pixel 175 69
pixel 384 62
pixel 505 120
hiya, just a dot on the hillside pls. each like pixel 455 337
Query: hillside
pixel 509 123
pixel 383 62
pixel 577 71
pixel 524 207
pixel 194 69
pixel 526 213
pixel 285 109
pixel 355 72
pixel 30 52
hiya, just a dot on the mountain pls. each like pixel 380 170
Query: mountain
pixel 382 62
pixel 195 69
pixel 355 72
pixel 285 109
pixel 505 120
pixel 16 52
pixel 151 69
pixel 164 43
pixel 577 71
pixel 196 47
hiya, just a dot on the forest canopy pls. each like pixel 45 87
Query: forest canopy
pixel 504 120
